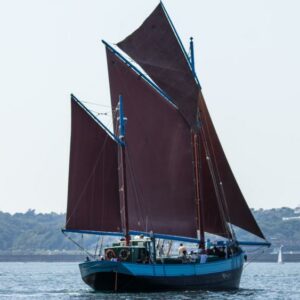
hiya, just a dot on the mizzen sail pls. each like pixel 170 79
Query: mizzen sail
pixel 93 197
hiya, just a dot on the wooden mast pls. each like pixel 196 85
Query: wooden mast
pixel 198 183
pixel 197 162
pixel 122 173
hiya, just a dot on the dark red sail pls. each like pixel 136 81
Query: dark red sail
pixel 159 168
pixel 93 197
pixel 155 47
pixel 237 210
pixel 214 221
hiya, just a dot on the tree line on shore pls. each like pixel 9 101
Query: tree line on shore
pixel 33 232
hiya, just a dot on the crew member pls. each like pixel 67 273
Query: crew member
pixel 182 250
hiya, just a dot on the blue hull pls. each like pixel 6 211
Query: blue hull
pixel 133 277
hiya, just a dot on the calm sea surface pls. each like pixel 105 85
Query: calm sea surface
pixel 63 281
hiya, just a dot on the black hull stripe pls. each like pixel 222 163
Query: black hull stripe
pixel 106 281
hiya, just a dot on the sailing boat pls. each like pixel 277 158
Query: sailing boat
pixel 280 260
pixel 160 175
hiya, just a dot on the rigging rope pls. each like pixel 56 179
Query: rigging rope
pixel 219 177
pixel 99 113
pixel 212 172
pixel 78 245
pixel 100 237
pixel 254 257
pixel 93 103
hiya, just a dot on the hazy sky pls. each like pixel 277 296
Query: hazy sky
pixel 247 60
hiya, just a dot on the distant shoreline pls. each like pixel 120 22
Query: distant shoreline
pixel 79 258
pixel 42 258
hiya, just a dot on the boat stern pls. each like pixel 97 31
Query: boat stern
pixel 99 273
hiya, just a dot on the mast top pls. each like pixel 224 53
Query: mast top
pixel 192 58
pixel 122 120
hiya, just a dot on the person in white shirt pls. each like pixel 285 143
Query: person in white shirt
pixel 182 250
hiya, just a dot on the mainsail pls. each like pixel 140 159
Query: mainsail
pixel 156 47
pixel 93 197
pixel 160 188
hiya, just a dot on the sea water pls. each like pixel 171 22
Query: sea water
pixel 62 281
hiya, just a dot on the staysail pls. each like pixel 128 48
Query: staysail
pixel 158 156
pixel 238 212
pixel 156 47
pixel 93 197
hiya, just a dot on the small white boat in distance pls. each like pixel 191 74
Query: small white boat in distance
pixel 279 260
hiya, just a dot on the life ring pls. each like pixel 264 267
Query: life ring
pixel 124 254
pixel 109 254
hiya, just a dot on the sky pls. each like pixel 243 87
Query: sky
pixel 247 60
